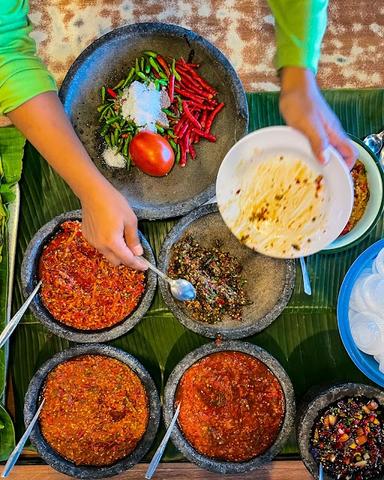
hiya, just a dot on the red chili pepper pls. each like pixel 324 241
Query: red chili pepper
pixel 206 135
pixel 193 65
pixel 171 88
pixel 111 92
pixel 192 151
pixel 190 117
pixel 183 159
pixel 183 129
pixel 194 87
pixel 186 94
pixel 179 124
pixel 203 119
pixel 200 80
pixel 163 64
pixel 212 116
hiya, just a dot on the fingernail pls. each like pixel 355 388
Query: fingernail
pixel 137 250
pixel 325 156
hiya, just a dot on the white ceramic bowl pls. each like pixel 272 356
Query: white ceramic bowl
pixel 374 206
pixel 268 143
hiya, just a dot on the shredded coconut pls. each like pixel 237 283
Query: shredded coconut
pixel 143 105
pixel 113 159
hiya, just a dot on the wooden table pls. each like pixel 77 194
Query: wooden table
pixel 277 470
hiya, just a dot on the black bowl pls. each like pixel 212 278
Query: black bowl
pixel 186 448
pixel 317 400
pixel 32 400
pixel 29 279
pixel 105 62
pixel 270 281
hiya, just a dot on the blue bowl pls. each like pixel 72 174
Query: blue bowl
pixel 365 363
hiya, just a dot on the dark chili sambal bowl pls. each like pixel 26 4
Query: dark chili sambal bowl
pixel 170 405
pixel 316 401
pixel 33 398
pixel 30 278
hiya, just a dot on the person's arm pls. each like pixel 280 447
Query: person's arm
pixel 28 96
pixel 300 26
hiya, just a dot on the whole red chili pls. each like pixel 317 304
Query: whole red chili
pixel 111 92
pixel 190 117
pixel 171 88
pixel 163 64
pixel 212 116
pixel 206 135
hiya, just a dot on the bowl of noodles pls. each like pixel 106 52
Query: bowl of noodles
pixel 277 199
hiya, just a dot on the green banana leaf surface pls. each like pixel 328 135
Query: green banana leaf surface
pixel 304 338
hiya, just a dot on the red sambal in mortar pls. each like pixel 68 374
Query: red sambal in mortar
pixel 81 288
pixel 232 406
pixel 96 410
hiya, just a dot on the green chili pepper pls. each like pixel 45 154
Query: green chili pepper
pixel 157 85
pixel 120 145
pixel 104 130
pixel 113 141
pixel 173 144
pixel 130 75
pixel 120 84
pixel 159 128
pixel 163 76
pixel 147 67
pixel 108 140
pixel 125 149
pixel 155 65
pixel 137 68
pixel 150 53
pixel 141 75
pixel 102 94
pixel 111 120
pixel 178 153
pixel 116 136
pixel 174 71
pixel 169 113
pixel 171 134
pixel 102 107
pixel 163 82
pixel 142 63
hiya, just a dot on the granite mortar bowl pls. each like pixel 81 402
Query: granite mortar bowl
pixel 318 399
pixel 33 399
pixel 270 281
pixel 105 62
pixel 182 443
pixel 29 279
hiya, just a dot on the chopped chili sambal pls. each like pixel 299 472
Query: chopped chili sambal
pixel 81 288
pixel 232 406
pixel 96 410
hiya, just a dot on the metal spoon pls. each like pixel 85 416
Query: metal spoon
pixel 181 289
pixel 12 324
pixel 306 281
pixel 375 141
pixel 381 158
pixel 321 472
pixel 159 452
pixel 19 447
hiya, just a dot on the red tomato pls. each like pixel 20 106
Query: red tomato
pixel 152 153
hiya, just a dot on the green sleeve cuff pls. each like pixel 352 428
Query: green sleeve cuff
pixel 300 27
pixel 26 83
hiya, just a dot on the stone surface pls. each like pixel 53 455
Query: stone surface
pixel 29 279
pixel 184 446
pixel 33 398
pixel 270 281
pixel 105 62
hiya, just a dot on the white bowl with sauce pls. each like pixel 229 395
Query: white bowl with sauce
pixel 276 197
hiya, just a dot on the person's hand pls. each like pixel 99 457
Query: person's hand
pixel 304 108
pixel 110 225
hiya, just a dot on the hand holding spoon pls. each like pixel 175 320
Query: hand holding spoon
pixel 181 289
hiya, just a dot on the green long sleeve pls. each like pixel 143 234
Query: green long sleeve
pixel 22 74
pixel 300 26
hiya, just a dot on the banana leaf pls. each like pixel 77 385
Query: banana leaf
pixel 304 338
pixel 7 434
